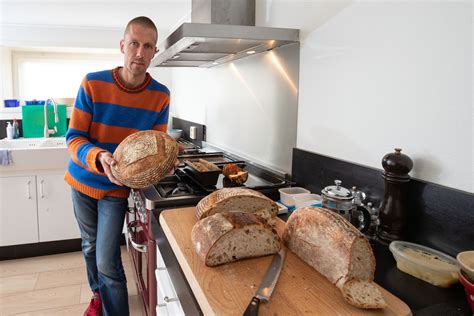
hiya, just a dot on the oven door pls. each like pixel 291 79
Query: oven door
pixel 142 250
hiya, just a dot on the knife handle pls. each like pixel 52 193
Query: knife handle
pixel 252 309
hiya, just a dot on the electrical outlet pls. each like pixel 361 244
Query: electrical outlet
pixel 192 132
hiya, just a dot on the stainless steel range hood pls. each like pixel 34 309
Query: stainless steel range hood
pixel 220 31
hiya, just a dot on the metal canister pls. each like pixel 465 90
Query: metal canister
pixel 339 199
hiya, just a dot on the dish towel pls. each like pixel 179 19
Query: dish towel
pixel 5 157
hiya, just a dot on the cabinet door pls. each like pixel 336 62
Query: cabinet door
pixel 18 216
pixel 56 220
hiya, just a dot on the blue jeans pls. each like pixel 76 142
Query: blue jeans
pixel 101 222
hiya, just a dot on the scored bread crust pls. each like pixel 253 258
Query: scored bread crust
pixel 230 236
pixel 330 244
pixel 235 199
pixel 144 158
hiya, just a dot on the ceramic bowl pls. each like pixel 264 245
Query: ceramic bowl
pixel 466 262
pixel 175 133
pixel 468 287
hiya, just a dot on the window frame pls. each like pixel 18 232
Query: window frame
pixel 21 56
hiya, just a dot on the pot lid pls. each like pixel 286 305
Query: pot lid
pixel 337 191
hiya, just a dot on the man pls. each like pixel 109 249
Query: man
pixel 111 105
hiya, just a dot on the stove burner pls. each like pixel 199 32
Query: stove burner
pixel 182 188
pixel 186 144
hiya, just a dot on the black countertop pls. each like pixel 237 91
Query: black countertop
pixel 422 298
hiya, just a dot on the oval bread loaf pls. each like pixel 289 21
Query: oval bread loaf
pixel 335 248
pixel 230 236
pixel 238 200
pixel 144 158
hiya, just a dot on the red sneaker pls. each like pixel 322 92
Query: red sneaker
pixel 95 306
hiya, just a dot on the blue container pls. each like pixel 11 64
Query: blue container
pixel 35 102
pixel 11 103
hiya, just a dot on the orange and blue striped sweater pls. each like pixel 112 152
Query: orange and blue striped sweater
pixel 105 112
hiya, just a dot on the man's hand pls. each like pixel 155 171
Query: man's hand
pixel 176 164
pixel 106 160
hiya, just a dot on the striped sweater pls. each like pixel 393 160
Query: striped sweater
pixel 105 112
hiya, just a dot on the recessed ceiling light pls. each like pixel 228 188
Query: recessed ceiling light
pixel 215 63
pixel 251 52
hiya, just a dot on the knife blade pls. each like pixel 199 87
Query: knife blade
pixel 268 284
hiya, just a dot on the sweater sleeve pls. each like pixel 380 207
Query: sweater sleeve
pixel 161 122
pixel 82 151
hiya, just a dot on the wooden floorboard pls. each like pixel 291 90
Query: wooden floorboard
pixel 54 285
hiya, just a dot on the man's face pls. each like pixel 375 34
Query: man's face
pixel 138 47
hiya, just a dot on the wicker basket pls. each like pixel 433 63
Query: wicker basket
pixel 144 158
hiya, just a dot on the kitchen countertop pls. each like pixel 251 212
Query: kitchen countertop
pixel 423 298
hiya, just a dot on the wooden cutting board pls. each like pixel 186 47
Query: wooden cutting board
pixel 227 289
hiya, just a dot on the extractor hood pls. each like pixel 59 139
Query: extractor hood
pixel 220 31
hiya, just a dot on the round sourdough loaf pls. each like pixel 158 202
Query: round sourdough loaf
pixel 236 200
pixel 144 158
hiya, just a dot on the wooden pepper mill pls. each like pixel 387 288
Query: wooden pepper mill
pixel 394 209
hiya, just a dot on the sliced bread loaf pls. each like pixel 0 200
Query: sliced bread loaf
pixel 230 236
pixel 236 200
pixel 363 294
pixel 334 247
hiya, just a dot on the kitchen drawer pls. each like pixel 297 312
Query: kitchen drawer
pixel 170 309
pixel 165 289
pixel 160 264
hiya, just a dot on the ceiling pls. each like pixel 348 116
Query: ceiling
pixel 93 14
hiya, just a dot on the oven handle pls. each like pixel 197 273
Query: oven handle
pixel 135 245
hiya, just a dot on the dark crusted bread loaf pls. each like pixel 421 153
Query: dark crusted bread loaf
pixel 234 173
pixel 144 158
pixel 334 247
pixel 238 200
pixel 230 236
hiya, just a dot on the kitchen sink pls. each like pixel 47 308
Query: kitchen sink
pixel 35 154
pixel 33 143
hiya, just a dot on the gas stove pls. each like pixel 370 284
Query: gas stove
pixel 183 188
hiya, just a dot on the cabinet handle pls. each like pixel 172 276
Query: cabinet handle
pixel 132 229
pixel 169 300
pixel 28 191
pixel 41 188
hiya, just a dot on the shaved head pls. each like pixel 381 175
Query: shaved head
pixel 144 22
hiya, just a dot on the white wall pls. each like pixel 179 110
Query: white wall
pixel 375 75
pixel 79 23
pixel 6 89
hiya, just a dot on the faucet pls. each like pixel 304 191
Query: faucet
pixel 48 131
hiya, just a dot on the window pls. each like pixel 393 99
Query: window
pixel 38 75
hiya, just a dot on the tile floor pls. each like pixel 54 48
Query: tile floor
pixel 53 285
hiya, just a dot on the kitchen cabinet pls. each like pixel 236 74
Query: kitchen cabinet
pixel 36 208
pixel 56 220
pixel 18 212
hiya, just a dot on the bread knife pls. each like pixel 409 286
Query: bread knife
pixel 268 284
